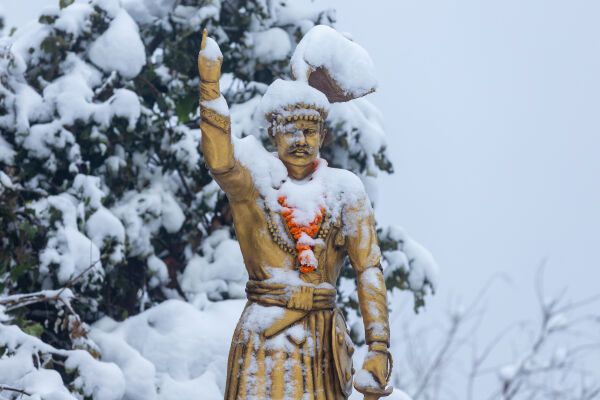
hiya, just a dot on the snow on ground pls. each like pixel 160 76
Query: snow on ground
pixel 174 350
pixel 172 346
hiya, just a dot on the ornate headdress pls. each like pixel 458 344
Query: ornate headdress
pixel 327 68
pixel 291 101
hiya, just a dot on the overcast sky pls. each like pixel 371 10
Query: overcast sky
pixel 492 110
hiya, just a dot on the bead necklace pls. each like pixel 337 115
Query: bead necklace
pixel 317 229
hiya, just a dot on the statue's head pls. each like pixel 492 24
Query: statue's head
pixel 299 137
pixel 326 68
pixel 295 114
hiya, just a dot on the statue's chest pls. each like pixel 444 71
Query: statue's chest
pixel 290 236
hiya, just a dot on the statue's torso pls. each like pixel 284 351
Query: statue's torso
pixel 268 246
pixel 263 255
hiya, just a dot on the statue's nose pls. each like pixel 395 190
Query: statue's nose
pixel 300 139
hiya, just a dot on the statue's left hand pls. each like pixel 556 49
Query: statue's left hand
pixel 210 59
pixel 376 362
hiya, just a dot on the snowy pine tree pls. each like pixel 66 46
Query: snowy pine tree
pixel 103 189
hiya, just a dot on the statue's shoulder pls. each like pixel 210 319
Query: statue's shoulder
pixel 345 186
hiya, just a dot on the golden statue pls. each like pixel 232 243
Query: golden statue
pixel 291 341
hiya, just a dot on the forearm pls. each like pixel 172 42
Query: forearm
pixel 216 128
pixel 214 113
pixel 372 297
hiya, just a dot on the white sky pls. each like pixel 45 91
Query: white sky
pixel 492 109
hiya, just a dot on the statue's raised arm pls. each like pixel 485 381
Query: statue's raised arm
pixel 215 123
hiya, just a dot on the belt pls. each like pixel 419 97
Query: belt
pixel 306 298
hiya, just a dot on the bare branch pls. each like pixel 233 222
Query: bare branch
pixel 12 389
pixel 23 300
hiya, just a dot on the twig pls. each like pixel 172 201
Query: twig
pixel 76 278
pixel 3 387
pixel 439 359
pixel 108 85
pixel 185 185
pixel 24 300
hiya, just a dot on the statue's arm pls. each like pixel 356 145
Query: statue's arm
pixel 363 251
pixel 364 254
pixel 215 123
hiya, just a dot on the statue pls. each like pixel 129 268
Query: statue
pixel 291 341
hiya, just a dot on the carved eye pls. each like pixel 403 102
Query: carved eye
pixel 289 129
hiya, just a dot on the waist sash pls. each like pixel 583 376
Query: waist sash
pixel 299 301
pixel 305 298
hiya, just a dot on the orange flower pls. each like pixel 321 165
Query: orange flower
pixel 296 230
pixel 305 269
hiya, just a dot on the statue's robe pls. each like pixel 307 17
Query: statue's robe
pixel 282 345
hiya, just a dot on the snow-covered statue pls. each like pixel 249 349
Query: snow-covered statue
pixel 296 220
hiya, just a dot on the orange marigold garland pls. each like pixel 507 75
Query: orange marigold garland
pixel 305 251
pixel 297 230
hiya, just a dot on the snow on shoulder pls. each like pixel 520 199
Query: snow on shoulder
pixel 331 188
pixel 348 64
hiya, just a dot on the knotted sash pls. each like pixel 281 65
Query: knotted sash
pixel 297 300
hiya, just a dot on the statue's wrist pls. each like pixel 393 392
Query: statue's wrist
pixel 209 90
pixel 380 347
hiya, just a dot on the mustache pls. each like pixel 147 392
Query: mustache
pixel 305 148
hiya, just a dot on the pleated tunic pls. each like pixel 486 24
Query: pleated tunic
pixel 294 364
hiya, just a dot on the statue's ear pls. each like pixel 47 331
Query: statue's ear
pixel 325 137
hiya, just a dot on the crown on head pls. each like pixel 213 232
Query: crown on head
pixel 300 111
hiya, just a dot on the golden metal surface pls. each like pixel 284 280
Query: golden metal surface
pixel 273 361
pixel 342 353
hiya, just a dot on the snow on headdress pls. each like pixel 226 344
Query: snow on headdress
pixel 293 100
pixel 333 64
pixel 326 68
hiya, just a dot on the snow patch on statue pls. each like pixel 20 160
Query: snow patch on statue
pixel 282 94
pixel 325 47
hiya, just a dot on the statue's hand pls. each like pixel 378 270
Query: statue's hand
pixel 376 363
pixel 210 59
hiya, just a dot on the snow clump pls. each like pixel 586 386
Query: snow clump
pixel 281 94
pixel 347 63
pixel 111 53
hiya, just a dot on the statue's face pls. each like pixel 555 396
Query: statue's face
pixel 298 142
